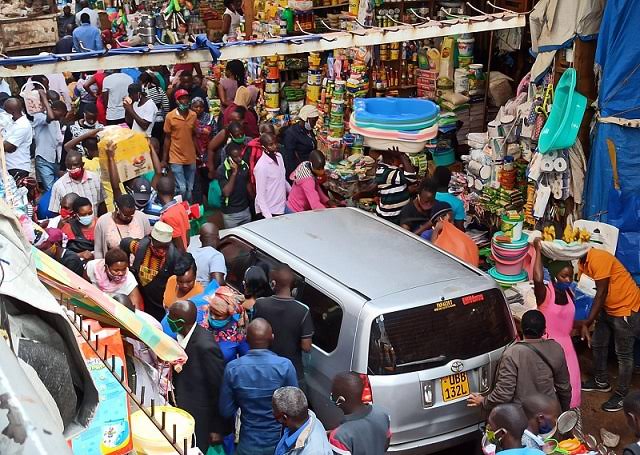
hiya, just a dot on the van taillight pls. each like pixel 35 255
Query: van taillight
pixel 367 395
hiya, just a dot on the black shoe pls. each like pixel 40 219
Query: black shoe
pixel 591 385
pixel 614 403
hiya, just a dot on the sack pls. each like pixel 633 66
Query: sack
pixel 214 196
pixel 216 450
pixel 456 242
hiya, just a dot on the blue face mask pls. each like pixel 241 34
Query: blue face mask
pixel 562 286
pixel 218 323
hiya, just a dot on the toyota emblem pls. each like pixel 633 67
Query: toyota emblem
pixel 457 366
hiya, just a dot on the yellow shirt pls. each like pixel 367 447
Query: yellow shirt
pixel 624 295
pixel 93 165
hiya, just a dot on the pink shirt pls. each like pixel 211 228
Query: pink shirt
pixel 306 193
pixel 271 186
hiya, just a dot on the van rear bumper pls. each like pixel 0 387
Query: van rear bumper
pixel 437 443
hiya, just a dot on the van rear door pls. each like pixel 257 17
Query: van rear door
pixel 424 361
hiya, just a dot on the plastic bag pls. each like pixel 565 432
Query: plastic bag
pixel 456 242
pixel 214 197
pixel 32 101
pixel 218 449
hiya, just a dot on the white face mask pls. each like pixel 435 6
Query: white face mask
pixel 307 125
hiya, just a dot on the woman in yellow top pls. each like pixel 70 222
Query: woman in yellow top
pixel 182 285
pixel 615 310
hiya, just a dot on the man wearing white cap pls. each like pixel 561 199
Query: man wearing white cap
pixel 299 139
pixel 154 258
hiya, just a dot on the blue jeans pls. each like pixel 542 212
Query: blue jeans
pixel 232 350
pixel 46 173
pixel 185 175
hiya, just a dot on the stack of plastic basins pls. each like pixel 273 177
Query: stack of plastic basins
pixel 405 123
pixel 509 259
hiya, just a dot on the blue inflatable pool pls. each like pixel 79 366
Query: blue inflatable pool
pixel 396 111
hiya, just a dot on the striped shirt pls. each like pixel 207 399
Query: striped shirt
pixel 89 187
pixel 160 99
pixel 393 187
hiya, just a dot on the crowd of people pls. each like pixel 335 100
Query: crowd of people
pixel 131 239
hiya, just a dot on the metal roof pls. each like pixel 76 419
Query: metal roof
pixel 360 251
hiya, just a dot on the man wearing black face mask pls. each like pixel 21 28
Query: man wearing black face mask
pixel 291 321
pixel 153 264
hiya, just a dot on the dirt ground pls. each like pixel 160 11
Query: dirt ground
pixel 593 417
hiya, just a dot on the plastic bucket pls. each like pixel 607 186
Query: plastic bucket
pixel 147 439
pixel 313 93
pixel 444 158
pixel 508 255
pixel 272 100
pixel 314 77
pixel 272 86
pixel 509 268
pixel 465 47
pixel 512 228
pixel 273 72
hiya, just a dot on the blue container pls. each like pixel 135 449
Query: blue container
pixel 444 157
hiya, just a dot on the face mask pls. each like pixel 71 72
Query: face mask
pixel 85 220
pixel 76 174
pixel 307 125
pixel 183 107
pixel 217 323
pixel 546 430
pixel 175 325
pixel 66 213
pixel 562 286
pixel 239 140
pixel 115 278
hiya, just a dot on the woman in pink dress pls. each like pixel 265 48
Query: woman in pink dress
pixel 555 300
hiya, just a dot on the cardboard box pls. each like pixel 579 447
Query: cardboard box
pixel 132 156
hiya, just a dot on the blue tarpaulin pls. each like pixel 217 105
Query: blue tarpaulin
pixel 618 55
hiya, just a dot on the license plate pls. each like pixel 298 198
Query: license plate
pixel 454 386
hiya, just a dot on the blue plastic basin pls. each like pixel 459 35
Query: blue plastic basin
pixel 399 111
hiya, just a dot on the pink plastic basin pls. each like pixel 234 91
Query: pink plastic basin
pixel 509 267
pixel 509 252
pixel 514 257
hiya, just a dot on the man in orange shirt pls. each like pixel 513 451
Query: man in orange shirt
pixel 179 149
pixel 173 212
pixel 615 310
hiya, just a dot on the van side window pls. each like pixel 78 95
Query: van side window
pixel 326 315
pixel 239 256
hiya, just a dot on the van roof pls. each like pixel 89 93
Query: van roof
pixel 360 251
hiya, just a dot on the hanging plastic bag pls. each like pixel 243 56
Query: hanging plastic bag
pixel 32 101
pixel 454 241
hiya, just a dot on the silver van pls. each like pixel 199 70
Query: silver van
pixel 422 328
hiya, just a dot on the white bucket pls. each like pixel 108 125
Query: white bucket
pixel 148 440
pixel 461 81
pixel 465 47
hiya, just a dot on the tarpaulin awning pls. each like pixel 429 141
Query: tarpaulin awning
pixel 88 297
pixel 618 59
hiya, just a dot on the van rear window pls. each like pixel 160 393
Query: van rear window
pixel 432 335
